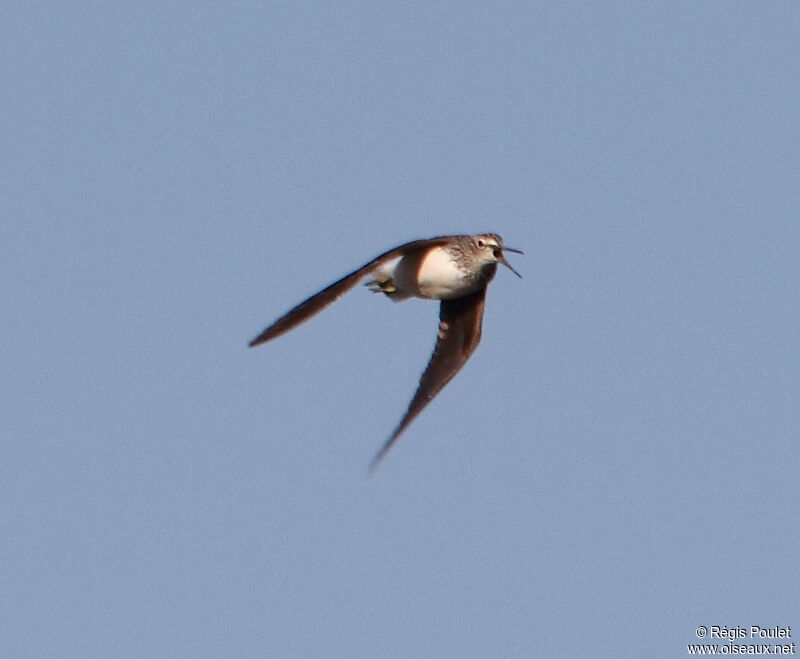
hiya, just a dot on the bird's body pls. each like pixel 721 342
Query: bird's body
pixel 453 269
pixel 436 273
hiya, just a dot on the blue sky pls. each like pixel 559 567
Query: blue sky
pixel 617 464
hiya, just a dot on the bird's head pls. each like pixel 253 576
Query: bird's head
pixel 489 247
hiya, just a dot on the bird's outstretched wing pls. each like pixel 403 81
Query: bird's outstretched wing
pixel 319 301
pixel 459 333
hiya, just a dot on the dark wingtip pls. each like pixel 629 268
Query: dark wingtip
pixel 261 338
pixel 373 465
pixel 376 461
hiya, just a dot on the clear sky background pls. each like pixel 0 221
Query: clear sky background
pixel 617 464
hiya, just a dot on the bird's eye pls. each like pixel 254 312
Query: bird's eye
pixel 480 243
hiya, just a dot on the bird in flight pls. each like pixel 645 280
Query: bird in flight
pixel 453 269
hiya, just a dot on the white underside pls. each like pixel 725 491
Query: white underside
pixel 437 277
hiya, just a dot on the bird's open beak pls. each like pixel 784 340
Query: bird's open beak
pixel 506 263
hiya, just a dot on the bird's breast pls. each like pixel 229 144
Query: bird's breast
pixel 433 274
